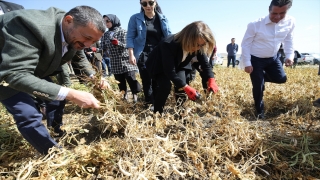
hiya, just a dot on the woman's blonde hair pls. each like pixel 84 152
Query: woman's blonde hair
pixel 188 37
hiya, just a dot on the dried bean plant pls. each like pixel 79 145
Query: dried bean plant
pixel 217 137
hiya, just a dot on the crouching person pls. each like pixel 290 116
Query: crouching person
pixel 34 43
pixel 170 62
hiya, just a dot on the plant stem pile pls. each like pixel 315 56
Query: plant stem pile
pixel 217 138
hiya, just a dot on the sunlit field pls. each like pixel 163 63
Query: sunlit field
pixel 217 137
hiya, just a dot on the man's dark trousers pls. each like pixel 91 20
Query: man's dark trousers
pixel 231 58
pixel 265 70
pixel 28 119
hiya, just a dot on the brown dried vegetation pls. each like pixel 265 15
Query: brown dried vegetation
pixel 219 138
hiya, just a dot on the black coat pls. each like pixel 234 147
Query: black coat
pixel 166 59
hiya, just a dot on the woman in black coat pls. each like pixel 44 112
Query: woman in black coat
pixel 171 61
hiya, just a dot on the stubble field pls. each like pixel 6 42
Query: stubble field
pixel 218 138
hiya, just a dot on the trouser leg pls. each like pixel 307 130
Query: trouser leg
pixel 257 79
pixel 233 58
pixel 134 84
pixel 54 111
pixel 28 120
pixel 146 85
pixel 122 82
pixel 104 68
pixel 193 73
pixel 107 61
pixel 164 86
pixel 274 71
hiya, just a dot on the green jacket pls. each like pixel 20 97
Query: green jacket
pixel 31 48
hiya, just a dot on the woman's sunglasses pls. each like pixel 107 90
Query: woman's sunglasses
pixel 108 21
pixel 145 4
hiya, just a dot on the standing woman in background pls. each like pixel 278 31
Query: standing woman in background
pixel 115 41
pixel 145 30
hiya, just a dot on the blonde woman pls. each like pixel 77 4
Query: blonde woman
pixel 170 62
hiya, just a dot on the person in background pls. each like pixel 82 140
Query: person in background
pixel 106 60
pixel 105 52
pixel 33 60
pixel 115 41
pixel 145 30
pixel 78 70
pixel 295 59
pixel 260 45
pixel 170 62
pixel 213 56
pixel 98 61
pixel 232 50
pixel 281 54
pixel 316 103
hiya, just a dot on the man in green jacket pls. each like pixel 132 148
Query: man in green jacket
pixel 33 44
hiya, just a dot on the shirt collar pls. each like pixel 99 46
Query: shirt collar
pixel 267 20
pixel 64 43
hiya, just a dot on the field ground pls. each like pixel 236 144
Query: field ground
pixel 217 138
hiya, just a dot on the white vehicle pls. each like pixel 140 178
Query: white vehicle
pixel 304 58
pixel 218 59
pixel 316 59
pixel 310 58
pixel 238 60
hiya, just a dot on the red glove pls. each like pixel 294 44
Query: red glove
pixel 115 42
pixel 191 92
pixel 94 49
pixel 212 86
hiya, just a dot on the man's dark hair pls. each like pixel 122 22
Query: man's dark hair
pixel 280 3
pixel 83 15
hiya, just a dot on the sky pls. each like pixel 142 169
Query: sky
pixel 226 18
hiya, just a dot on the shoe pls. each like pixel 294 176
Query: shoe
pixel 125 97
pixel 316 103
pixel 152 108
pixel 260 115
pixel 59 132
pixel 148 106
pixel 135 98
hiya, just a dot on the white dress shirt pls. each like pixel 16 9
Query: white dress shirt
pixel 264 37
pixel 1 11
